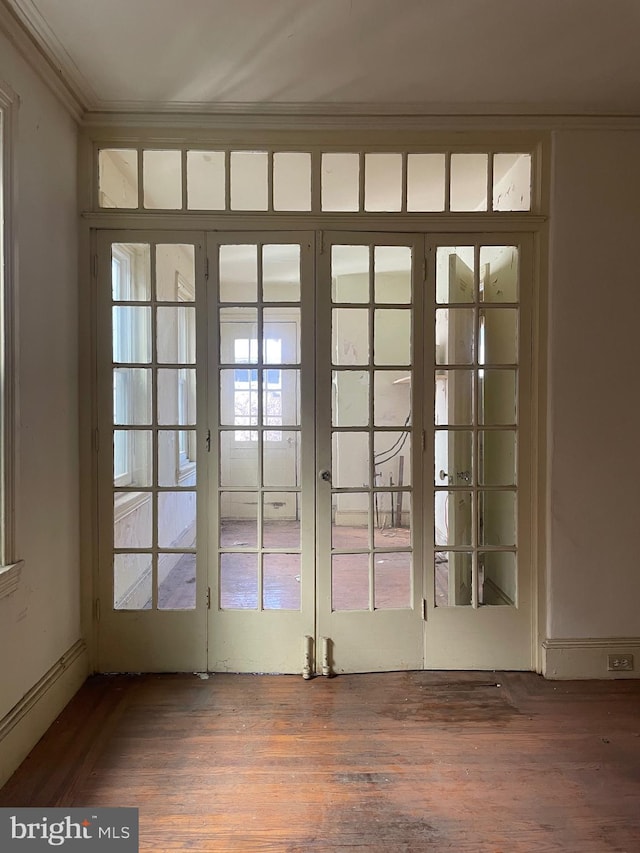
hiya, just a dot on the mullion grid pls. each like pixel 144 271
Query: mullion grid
pixel 475 487
pixel 260 489
pixel 316 153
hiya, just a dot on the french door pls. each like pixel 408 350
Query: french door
pixel 313 452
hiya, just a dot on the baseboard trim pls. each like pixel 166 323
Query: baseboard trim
pixel 27 721
pixel 587 658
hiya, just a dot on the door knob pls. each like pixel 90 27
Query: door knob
pixel 325 475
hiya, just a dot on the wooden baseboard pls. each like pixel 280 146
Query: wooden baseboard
pixel 588 658
pixel 25 723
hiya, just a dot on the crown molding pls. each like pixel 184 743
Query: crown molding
pixel 384 117
pixel 21 34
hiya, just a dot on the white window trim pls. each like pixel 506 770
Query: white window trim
pixel 10 567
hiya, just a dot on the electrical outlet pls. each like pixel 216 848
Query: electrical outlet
pixel 620 663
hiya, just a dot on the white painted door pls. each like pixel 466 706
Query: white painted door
pixel 479 595
pixel 151 359
pixel 369 546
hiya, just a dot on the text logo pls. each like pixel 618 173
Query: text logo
pixel 74 830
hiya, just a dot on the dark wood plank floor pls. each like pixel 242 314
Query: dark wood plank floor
pixel 507 763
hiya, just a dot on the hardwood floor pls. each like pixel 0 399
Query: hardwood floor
pixel 417 761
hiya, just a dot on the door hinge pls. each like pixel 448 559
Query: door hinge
pixel 208 598
pixel 94 266
pixel 424 269
pixel 424 609
pixel 97 609
pixel 206 268
pixel 208 441
pixel 96 440
pixel 424 440
pixel 322 242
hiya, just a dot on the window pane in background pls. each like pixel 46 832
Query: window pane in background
pixel 454 274
pixel 512 182
pixel 468 182
pixel 382 182
pixel 392 274
pixel 162 180
pixel 350 273
pixel 291 181
pixel 176 581
pixel 205 180
pixel 249 180
pixel 238 273
pixel 281 273
pixel 130 272
pixel 118 177
pixel 425 182
pixel 132 581
pixel 175 272
pixel 340 181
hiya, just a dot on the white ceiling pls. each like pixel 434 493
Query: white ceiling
pixel 392 56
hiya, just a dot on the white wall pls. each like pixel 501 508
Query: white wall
pixel 41 620
pixel 594 391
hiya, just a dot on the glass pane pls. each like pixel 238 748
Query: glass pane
pixel 281 273
pixel 132 581
pixel 238 458
pixel 469 181
pixel 453 579
pixel 382 181
pixel 498 578
pixel 350 460
pixel 177 519
pixel 350 582
pixel 392 519
pixel 281 519
pixel 131 396
pixel 392 580
pixel 130 272
pixel 281 458
pixel 499 273
pixel 454 397
pixel 454 274
pixel 238 271
pixel 497 458
pixel 132 517
pixel 238 581
pixel 132 458
pixel 453 514
pixel 392 336
pixel 425 182
pixel 131 334
pixel 205 180
pixel 350 273
pixel 454 335
pixel 238 336
pixel 497 397
pixel 340 181
pixel 281 399
pixel 497 524
pixel 162 180
pixel 281 332
pixel 350 336
pixel 175 273
pixel 392 398
pixel 176 335
pixel 176 457
pixel 350 402
pixel 249 180
pixel 392 274
pixel 281 582
pixel 291 181
pixel 350 524
pixel 239 519
pixel 392 458
pixel 512 182
pixel 118 177
pixel 177 396
pixel 499 336
pixel 453 458
pixel 176 581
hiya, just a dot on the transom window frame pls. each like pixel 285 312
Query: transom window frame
pixel 531 144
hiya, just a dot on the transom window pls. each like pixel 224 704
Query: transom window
pixel 416 181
